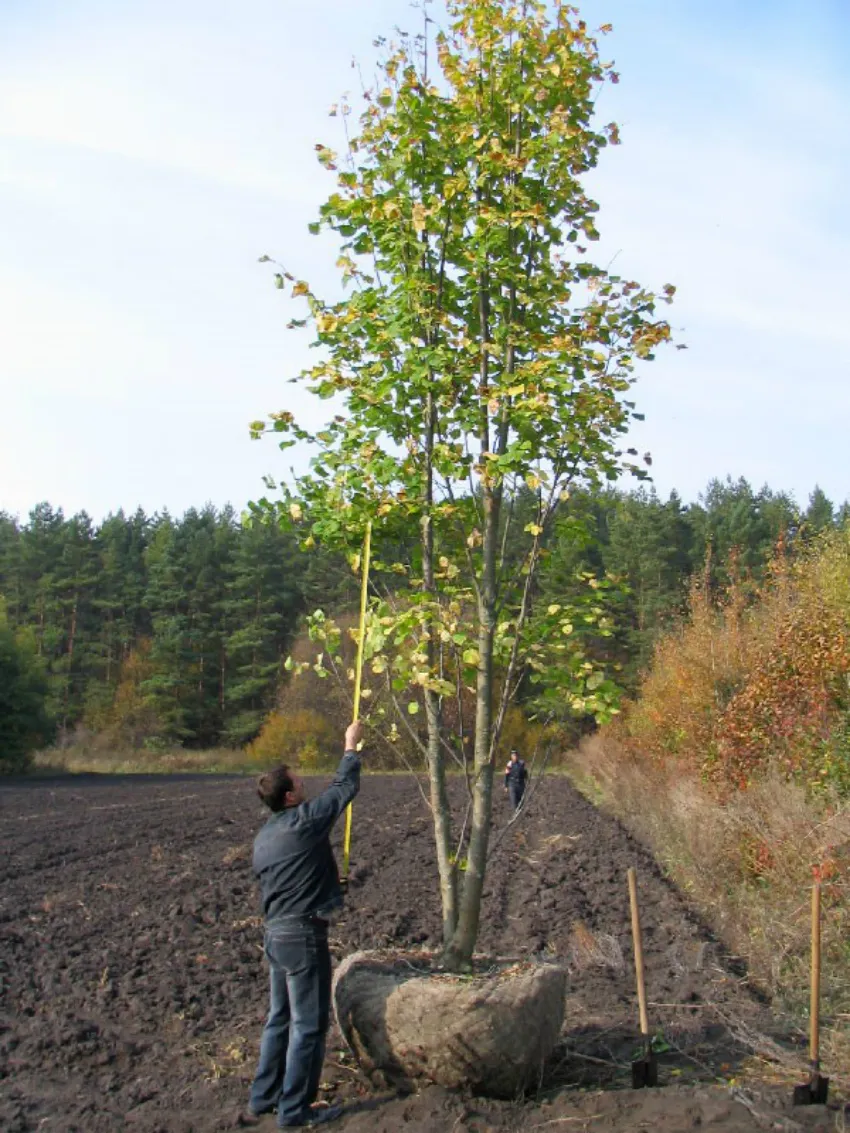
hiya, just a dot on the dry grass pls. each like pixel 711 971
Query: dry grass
pixel 82 759
pixel 222 1058
pixel 747 864
pixel 235 854
pixel 79 759
pixel 594 950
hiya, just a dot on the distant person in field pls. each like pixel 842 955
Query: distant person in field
pixel 301 892
pixel 516 775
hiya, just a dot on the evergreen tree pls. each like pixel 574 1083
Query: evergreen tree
pixel 650 548
pixel 119 615
pixel 40 558
pixel 820 514
pixel 76 575
pixel 172 657
pixel 739 528
pixel 177 626
pixel 187 563
pixel 24 723
pixel 11 575
pixel 260 606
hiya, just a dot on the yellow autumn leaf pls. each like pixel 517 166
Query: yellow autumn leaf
pixel 300 288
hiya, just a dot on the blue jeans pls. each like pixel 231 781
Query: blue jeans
pixel 516 791
pixel 292 1048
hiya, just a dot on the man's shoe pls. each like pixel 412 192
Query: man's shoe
pixel 249 1118
pixel 314 1117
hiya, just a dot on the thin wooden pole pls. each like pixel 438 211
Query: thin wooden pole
pixel 358 677
pixel 814 1008
pixel 638 943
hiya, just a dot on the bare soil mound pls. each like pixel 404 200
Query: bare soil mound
pixel 132 986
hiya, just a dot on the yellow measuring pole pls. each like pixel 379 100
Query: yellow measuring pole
pixel 358 674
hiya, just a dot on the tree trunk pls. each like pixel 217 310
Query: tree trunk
pixel 442 818
pixel 459 953
pixel 440 808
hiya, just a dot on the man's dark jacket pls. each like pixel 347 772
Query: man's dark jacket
pixel 293 858
pixel 516 774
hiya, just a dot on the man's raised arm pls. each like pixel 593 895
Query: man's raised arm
pixel 326 808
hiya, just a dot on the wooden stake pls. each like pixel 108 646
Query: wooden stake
pixel 645 1068
pixel 816 1090
pixel 814 1005
pixel 638 942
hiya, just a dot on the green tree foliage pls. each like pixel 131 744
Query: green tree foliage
pixel 24 723
pixel 479 349
pixel 102 586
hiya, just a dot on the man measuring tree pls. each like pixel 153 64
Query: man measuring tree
pixel 301 892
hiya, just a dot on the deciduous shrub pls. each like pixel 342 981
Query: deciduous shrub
pixel 738 691
pixel 305 738
pixel 733 763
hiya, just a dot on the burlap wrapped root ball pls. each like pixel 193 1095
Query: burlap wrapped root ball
pixel 487 1033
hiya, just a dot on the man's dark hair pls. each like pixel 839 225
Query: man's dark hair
pixel 274 786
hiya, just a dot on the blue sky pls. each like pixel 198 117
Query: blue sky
pixel 152 150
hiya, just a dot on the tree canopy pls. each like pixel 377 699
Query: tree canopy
pixel 478 351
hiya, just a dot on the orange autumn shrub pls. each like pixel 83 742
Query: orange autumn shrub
pixel 304 738
pixel 788 708
pixel 739 690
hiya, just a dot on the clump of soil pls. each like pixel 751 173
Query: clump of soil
pixel 133 988
pixel 490 1033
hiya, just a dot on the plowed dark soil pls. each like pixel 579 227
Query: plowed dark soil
pixel 133 991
